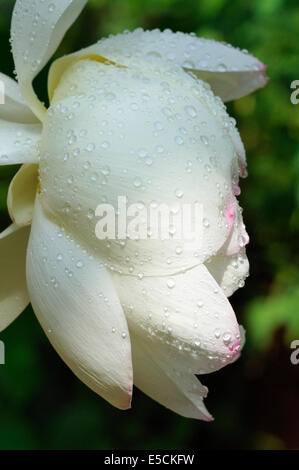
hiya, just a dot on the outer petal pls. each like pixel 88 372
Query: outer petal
pixel 160 377
pixel 19 128
pixel 13 289
pixel 36 31
pixel 232 73
pixel 229 271
pixel 14 108
pixel 187 314
pixel 76 304
pixel 21 194
pixel 18 142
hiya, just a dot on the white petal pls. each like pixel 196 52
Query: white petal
pixel 14 108
pixel 18 142
pixel 233 84
pixel 79 310
pixel 229 271
pixel 36 31
pixel 13 289
pixel 232 73
pixel 150 137
pixel 188 314
pixel 21 194
pixel 157 375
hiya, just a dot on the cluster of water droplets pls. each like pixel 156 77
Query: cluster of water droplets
pixel 166 323
pixel 67 265
pixel 186 50
pixel 20 141
pixel 104 158
pixel 143 128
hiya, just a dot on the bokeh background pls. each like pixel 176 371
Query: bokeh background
pixel 256 400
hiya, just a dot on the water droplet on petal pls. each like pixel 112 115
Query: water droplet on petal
pixel 191 111
pixel 171 283
pixel 179 193
pixel 90 147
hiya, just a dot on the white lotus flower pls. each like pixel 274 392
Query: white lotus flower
pixel 131 115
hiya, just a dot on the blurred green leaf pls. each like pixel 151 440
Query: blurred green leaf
pixel 264 316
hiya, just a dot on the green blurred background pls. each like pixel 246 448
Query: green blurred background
pixel 256 400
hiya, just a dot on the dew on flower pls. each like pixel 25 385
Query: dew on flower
pixel 105 145
pixel 191 111
pixel 227 338
pixel 204 139
pixel 105 171
pixel 137 182
pixel 51 7
pixel 90 214
pixel 217 333
pixel 221 67
pixel 158 125
pixel 179 140
pixel 90 147
pixel 180 145
pixel 179 193
pixel 188 64
pixel 142 153
pixel 94 177
pixel 171 283
pixel 72 139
